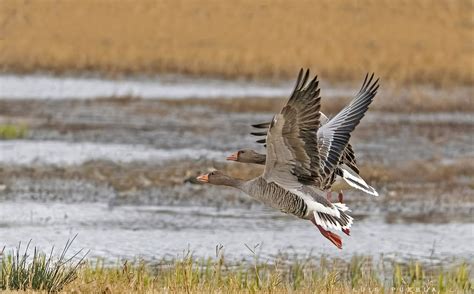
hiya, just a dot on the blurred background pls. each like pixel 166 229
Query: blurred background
pixel 109 109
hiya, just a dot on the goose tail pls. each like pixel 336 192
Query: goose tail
pixel 324 222
pixel 327 221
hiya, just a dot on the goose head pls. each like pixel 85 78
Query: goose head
pixel 247 156
pixel 216 178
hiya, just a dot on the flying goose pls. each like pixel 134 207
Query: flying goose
pixel 347 173
pixel 294 168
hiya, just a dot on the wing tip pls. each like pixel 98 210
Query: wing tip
pixel 369 85
pixel 264 125
pixel 258 134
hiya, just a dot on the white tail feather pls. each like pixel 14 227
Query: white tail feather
pixel 337 226
pixel 341 206
pixel 358 183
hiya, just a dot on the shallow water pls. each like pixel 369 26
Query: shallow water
pixel 27 152
pixel 153 232
pixel 42 86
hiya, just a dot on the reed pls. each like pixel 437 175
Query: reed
pixel 407 42
pixel 188 274
pixel 216 275
pixel 42 272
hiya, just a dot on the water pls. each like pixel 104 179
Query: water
pixel 153 232
pixel 50 87
pixel 26 152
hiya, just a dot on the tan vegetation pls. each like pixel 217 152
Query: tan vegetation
pixel 412 102
pixel 188 274
pixel 421 171
pixel 403 41
pixel 140 175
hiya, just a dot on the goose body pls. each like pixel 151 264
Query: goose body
pixel 298 164
pixel 304 202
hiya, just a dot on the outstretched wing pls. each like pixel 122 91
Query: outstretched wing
pixel 348 158
pixel 292 156
pixel 334 136
pixel 322 120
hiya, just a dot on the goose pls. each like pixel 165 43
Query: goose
pixel 294 169
pixel 347 174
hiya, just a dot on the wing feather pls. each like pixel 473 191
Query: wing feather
pixel 333 137
pixel 292 159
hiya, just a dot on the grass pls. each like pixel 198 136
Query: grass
pixel 216 275
pixel 20 271
pixel 188 274
pixel 405 42
pixel 415 102
pixel 141 176
pixel 10 132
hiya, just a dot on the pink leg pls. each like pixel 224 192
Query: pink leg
pixel 329 196
pixel 341 196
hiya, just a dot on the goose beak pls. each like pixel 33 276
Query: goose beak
pixel 233 157
pixel 203 178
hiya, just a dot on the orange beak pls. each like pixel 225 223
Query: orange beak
pixel 203 178
pixel 234 156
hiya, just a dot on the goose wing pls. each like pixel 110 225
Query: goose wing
pixel 322 119
pixel 292 156
pixel 348 158
pixel 333 137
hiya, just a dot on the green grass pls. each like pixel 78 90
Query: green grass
pixel 20 271
pixel 10 132
pixel 188 274
pixel 216 275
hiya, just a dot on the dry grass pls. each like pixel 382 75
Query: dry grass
pixel 174 173
pixel 421 171
pixel 403 41
pixel 413 102
pixel 261 104
pixel 282 274
pixel 123 177
pixel 216 275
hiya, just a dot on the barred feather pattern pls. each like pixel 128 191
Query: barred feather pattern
pixel 277 197
pixel 327 221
